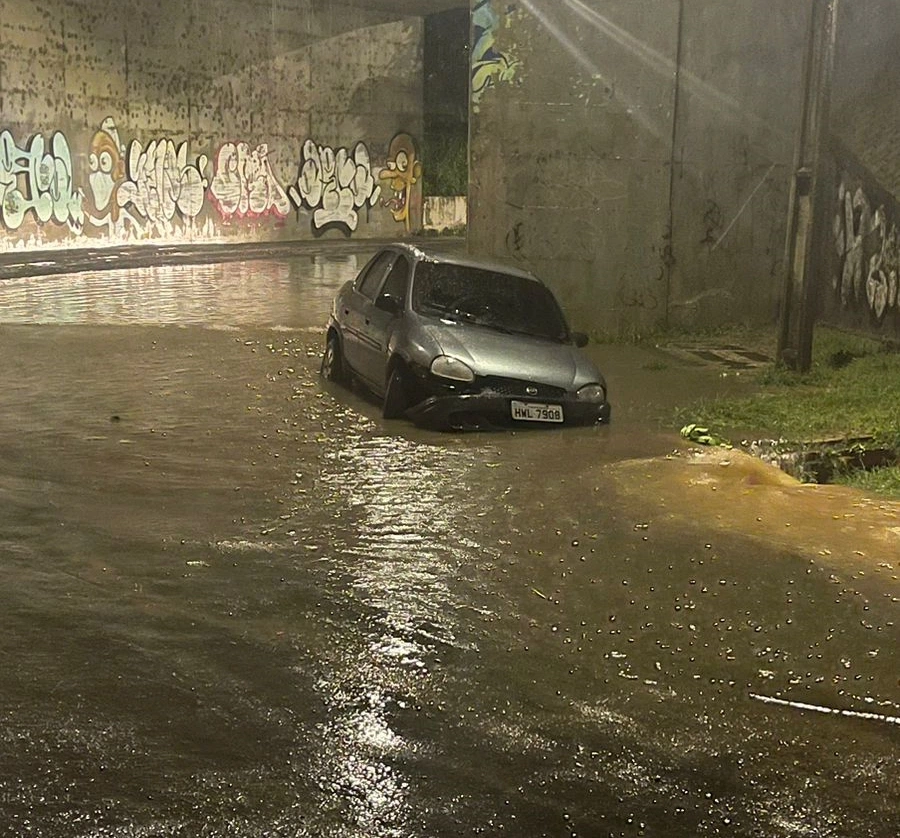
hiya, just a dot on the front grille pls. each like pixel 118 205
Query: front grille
pixel 516 388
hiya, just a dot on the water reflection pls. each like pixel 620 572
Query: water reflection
pixel 259 292
pixel 405 542
pixel 400 545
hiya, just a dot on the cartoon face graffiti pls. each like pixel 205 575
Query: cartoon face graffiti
pixel 403 179
pixel 107 166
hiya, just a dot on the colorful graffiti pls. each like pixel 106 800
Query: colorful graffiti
pixel 244 185
pixel 868 249
pixel 335 185
pixel 489 65
pixel 403 177
pixel 39 181
pixel 160 190
pixel 107 173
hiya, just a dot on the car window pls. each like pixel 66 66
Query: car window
pixel 505 302
pixel 397 281
pixel 370 280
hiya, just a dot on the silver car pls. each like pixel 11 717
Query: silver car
pixel 459 343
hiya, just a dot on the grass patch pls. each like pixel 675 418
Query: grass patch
pixel 878 481
pixel 851 395
pixel 446 166
pixel 852 391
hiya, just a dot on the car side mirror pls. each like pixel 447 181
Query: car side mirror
pixel 580 339
pixel 389 303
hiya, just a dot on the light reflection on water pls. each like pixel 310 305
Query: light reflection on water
pixel 399 543
pixel 255 292
pixel 687 628
pixel 406 537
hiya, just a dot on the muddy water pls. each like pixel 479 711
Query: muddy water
pixel 237 602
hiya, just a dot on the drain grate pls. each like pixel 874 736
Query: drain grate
pixel 728 355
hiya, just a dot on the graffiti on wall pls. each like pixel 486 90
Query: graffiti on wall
pixel 142 191
pixel 137 190
pixel 335 185
pixel 161 185
pixel 106 162
pixel 403 178
pixel 490 66
pixel 38 180
pixel 868 249
pixel 244 185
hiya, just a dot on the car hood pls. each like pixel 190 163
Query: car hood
pixel 493 353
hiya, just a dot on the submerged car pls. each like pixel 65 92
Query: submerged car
pixel 459 343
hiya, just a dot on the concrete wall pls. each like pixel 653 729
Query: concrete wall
pixel 637 153
pixel 571 130
pixel 858 266
pixel 206 120
pixel 444 214
pixel 740 100
pixel 866 107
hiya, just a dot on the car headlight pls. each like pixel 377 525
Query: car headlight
pixel 445 366
pixel 595 393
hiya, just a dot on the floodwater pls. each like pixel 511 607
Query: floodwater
pixel 236 602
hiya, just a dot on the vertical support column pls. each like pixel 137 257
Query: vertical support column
pixel 800 296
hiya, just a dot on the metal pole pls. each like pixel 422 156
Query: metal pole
pixel 799 300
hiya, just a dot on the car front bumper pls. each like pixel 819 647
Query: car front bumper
pixel 477 411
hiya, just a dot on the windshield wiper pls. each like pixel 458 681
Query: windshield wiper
pixel 509 330
pixel 450 313
pixel 434 308
pixel 497 327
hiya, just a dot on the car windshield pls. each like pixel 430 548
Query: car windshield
pixel 493 299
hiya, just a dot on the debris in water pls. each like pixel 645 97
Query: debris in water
pixel 703 436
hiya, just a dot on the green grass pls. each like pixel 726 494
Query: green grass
pixel 852 392
pixel 446 164
pixel 878 481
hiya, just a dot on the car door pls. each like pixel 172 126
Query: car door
pixel 355 304
pixel 379 323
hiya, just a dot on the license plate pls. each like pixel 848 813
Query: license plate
pixel 533 412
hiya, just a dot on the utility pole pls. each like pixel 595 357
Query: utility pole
pixel 799 299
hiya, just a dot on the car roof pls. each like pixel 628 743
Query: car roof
pixel 424 253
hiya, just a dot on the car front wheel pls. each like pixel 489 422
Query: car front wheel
pixel 396 396
pixel 333 368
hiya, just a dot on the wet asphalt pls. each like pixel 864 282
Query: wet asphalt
pixel 236 602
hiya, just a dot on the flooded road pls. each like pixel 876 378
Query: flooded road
pixel 236 602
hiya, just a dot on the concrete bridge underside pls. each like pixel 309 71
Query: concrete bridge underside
pixel 637 153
